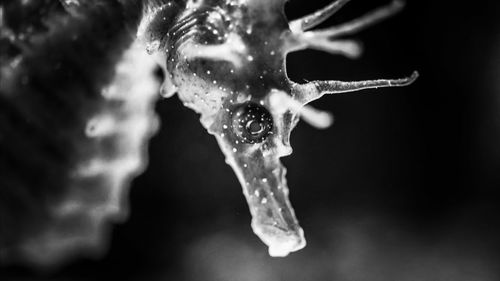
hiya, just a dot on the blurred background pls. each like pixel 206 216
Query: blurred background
pixel 403 187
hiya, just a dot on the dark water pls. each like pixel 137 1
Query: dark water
pixel 404 186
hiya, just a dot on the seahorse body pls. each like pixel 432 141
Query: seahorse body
pixel 76 96
pixel 77 99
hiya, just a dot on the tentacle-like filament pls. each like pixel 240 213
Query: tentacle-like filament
pixel 281 102
pixel 362 22
pixel 231 50
pixel 316 18
pixel 310 40
pixel 327 39
pixel 308 92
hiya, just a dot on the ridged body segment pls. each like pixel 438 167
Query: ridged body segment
pixel 76 96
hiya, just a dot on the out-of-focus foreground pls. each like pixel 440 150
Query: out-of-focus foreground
pixel 404 186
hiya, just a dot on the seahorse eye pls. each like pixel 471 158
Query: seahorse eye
pixel 252 123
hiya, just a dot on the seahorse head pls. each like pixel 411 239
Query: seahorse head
pixel 226 60
pixel 231 71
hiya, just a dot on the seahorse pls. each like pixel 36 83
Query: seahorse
pixel 77 91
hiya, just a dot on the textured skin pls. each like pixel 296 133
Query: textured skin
pixel 221 54
pixel 216 86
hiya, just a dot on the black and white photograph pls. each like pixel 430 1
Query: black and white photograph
pixel 249 140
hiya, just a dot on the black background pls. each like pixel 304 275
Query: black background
pixel 404 186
